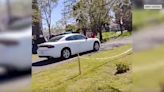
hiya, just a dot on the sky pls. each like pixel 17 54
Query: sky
pixel 56 14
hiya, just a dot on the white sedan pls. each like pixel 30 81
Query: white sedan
pixel 15 46
pixel 66 45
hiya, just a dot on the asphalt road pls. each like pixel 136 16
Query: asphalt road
pixel 44 64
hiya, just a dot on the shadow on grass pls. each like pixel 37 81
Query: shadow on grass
pixel 46 62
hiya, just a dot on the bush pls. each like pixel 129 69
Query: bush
pixel 122 67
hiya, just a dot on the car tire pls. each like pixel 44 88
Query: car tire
pixel 96 46
pixel 65 53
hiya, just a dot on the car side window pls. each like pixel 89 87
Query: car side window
pixel 70 38
pixel 79 37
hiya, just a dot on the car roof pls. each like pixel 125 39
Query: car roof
pixel 71 34
pixel 67 35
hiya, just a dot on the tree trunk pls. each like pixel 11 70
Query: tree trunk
pixel 100 34
pixel 84 31
pixel 49 31
pixel 121 29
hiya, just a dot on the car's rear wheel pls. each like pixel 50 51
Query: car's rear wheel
pixel 96 46
pixel 66 53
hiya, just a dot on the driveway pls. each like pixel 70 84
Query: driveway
pixel 40 64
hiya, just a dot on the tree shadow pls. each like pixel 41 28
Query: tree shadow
pixel 46 62
pixel 55 60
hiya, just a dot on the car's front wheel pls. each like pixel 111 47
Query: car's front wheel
pixel 96 46
pixel 66 53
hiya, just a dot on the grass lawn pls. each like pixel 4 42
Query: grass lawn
pixel 148 71
pixel 110 35
pixel 97 75
pixel 36 58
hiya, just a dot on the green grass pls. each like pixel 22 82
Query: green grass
pixel 125 34
pixel 148 74
pixel 97 75
pixel 143 18
pixel 36 58
pixel 110 35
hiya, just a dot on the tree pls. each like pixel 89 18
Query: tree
pixel 47 7
pixel 119 15
pixel 80 14
pixel 127 17
pixel 123 15
pixel 92 14
pixel 36 20
pixel 99 15
pixel 70 28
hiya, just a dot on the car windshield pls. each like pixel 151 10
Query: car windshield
pixel 55 39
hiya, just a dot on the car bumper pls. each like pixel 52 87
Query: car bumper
pixel 48 53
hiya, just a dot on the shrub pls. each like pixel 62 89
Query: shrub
pixel 122 67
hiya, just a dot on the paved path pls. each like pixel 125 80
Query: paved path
pixel 148 38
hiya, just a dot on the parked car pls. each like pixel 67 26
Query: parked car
pixel 66 45
pixel 15 46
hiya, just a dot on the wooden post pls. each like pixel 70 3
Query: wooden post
pixel 79 64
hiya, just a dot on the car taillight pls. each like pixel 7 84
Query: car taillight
pixel 47 46
pixel 8 42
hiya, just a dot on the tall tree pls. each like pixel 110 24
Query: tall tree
pixel 123 15
pixel 92 14
pixel 47 7
pixel 36 20
pixel 80 14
